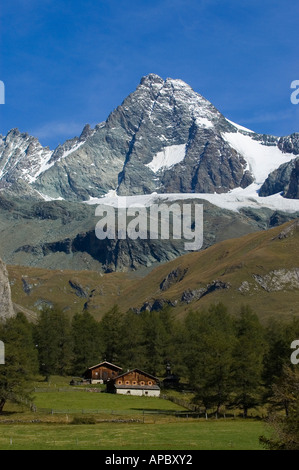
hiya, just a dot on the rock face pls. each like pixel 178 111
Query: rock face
pixel 175 276
pixel 293 188
pixel 290 143
pixel 6 307
pixel 280 279
pixel 163 138
pixel 290 230
pixel 187 296
pixel 283 180
pixel 61 235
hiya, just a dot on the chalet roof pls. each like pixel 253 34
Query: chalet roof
pixel 105 363
pixel 139 371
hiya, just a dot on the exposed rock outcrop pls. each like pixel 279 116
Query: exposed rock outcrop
pixel 6 306
pixel 284 179
pixel 177 275
pixel 187 297
pixel 289 143
pixel 293 188
pixel 289 231
pixel 279 279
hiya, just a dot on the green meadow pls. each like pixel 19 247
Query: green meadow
pixel 103 403
pixel 66 419
pixel 191 435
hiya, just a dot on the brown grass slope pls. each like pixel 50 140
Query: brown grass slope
pixel 260 269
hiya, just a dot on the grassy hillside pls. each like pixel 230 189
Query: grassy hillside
pixel 260 269
pixel 34 288
pixel 234 262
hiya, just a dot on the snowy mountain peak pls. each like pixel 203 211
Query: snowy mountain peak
pixel 150 79
pixel 164 138
pixel 23 157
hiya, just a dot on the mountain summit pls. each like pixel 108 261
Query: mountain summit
pixel 163 138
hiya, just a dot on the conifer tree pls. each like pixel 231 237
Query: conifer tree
pixel 111 333
pixel 54 343
pixel 248 355
pixel 210 359
pixel 131 345
pixel 87 342
pixel 285 428
pixel 20 361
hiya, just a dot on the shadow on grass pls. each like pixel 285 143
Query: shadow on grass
pixel 163 412
pixel 8 413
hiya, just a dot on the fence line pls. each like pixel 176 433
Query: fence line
pixel 199 410
pixel 173 413
pixel 66 389
pixel 184 403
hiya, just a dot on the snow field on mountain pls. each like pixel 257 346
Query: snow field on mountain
pixel 168 157
pixel 261 159
pixel 234 200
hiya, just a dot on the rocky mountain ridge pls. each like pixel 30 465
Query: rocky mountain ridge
pixel 61 235
pixel 163 138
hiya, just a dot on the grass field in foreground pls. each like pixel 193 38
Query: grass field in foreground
pixel 186 435
pixel 162 427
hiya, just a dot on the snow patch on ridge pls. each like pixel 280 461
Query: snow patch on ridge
pixel 46 164
pixel 240 128
pixel 203 122
pixel 168 157
pixel 261 159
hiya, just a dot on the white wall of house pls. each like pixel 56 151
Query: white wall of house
pixel 140 393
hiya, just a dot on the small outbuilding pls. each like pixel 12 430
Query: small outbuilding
pixel 171 380
pixel 101 373
pixel 134 382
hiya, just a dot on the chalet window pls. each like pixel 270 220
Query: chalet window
pixel 142 382
pixel 119 382
pixel 150 382
pixel 127 382
pixel 134 382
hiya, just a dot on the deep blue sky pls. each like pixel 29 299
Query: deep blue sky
pixel 70 62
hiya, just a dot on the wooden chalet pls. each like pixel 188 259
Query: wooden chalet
pixel 101 373
pixel 134 382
